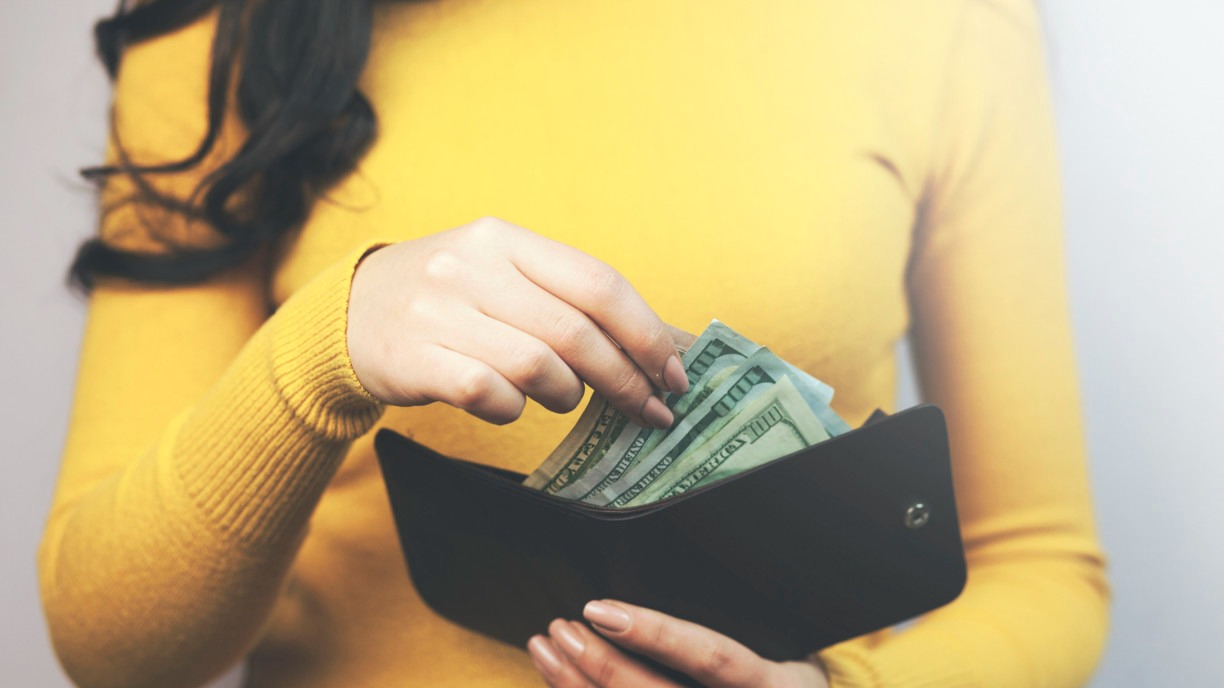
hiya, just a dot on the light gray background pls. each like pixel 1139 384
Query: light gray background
pixel 1140 106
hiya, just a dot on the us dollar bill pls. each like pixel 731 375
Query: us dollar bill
pixel 756 374
pixel 600 425
pixel 586 444
pixel 745 406
pixel 597 452
pixel 777 424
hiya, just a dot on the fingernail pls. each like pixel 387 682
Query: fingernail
pixel 673 375
pixel 570 642
pixel 657 414
pixel 607 616
pixel 546 659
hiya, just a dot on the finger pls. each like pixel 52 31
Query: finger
pixel 466 383
pixel 597 289
pixel 552 665
pixel 583 346
pixel 712 658
pixel 600 661
pixel 528 363
pixel 681 339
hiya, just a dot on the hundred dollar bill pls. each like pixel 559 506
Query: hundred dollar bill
pixel 597 428
pixel 716 352
pixel 703 423
pixel 596 431
pixel 756 374
pixel 605 459
pixel 778 423
pixel 818 395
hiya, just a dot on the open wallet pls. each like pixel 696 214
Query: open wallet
pixel 850 535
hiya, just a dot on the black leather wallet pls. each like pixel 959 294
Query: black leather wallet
pixel 848 536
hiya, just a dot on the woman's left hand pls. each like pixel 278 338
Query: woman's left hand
pixel 572 656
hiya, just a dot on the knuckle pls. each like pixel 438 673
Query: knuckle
pixel 487 230
pixel 503 412
pixel 571 402
pixel 506 414
pixel 602 668
pixel 423 313
pixel 475 388
pixel 532 365
pixel 652 335
pixel 443 265
pixel 657 632
pixel 605 284
pixel 630 385
pixel 717 660
pixel 486 222
pixel 571 333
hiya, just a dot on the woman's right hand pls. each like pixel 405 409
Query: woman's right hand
pixel 484 315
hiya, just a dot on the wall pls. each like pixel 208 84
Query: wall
pixel 1140 112
pixel 52 121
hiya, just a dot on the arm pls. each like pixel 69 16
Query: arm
pixel 994 349
pixel 194 454
pixel 163 555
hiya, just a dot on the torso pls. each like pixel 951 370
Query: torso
pixel 738 162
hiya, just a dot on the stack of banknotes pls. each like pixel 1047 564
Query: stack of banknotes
pixel 745 407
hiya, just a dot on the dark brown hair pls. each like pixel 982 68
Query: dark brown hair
pixel 297 64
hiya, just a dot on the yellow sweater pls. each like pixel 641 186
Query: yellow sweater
pixel 825 177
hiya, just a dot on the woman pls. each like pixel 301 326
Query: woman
pixel 273 280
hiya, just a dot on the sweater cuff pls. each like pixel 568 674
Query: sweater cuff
pixel 258 451
pixel 310 359
pixel 851 665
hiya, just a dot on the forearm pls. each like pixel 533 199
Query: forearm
pixel 163 571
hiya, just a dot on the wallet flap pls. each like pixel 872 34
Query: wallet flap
pixel 853 534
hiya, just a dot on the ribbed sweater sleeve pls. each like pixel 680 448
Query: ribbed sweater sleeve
pixel 257 451
pixel 993 348
pixel 160 567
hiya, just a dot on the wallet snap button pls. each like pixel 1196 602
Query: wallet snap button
pixel 917 516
